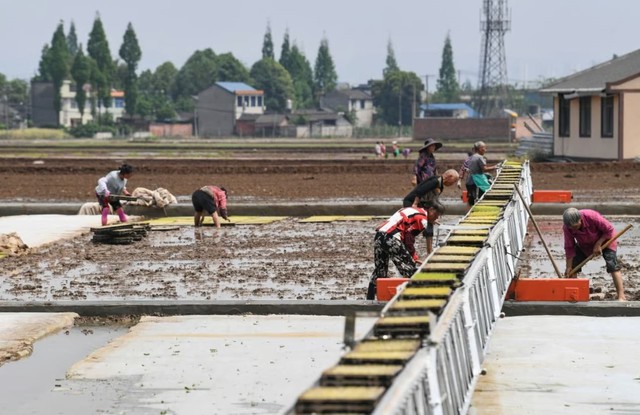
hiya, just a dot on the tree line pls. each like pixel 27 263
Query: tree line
pixel 161 93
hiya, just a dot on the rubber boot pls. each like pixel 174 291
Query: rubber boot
pixel 121 215
pixel 105 214
pixel 371 291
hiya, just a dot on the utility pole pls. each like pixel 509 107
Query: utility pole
pixel 426 85
pixel 400 112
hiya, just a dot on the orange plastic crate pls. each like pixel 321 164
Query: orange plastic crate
pixel 552 196
pixel 549 289
pixel 387 287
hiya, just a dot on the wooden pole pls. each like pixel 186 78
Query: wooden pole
pixel 593 255
pixel 535 225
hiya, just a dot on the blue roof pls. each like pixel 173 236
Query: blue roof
pixel 235 86
pixel 449 107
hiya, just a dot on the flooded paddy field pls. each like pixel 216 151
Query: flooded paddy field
pixel 283 260
pixel 535 263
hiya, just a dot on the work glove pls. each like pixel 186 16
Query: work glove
pixel 459 184
pixel 223 213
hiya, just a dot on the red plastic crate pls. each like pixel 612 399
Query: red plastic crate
pixel 549 289
pixel 387 287
pixel 552 196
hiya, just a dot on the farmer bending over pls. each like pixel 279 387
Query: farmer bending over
pixel 113 184
pixel 584 233
pixel 213 199
pixel 430 189
pixel 395 240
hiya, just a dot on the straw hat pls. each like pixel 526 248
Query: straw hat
pixel 431 141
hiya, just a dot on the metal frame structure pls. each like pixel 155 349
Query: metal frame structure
pixel 441 374
pixel 492 77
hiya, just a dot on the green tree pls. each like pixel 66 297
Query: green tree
pixel 267 44
pixel 44 67
pixel 447 87
pixel 231 69
pixel 16 91
pixel 102 75
pixel 325 77
pixel 130 52
pixel 302 77
pixel 197 73
pixel 59 64
pixel 81 73
pixel 392 64
pixel 164 77
pixel 394 97
pixel 275 81
pixel 285 51
pixel 154 100
pixel 72 41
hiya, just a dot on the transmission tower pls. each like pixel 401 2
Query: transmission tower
pixel 495 22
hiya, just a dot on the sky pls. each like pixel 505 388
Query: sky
pixel 548 38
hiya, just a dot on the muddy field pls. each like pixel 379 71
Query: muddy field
pixel 282 260
pixel 285 260
pixel 25 179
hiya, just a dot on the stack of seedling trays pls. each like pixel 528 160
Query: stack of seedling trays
pixel 358 381
pixel 121 234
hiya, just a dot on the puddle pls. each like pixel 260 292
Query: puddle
pixel 37 385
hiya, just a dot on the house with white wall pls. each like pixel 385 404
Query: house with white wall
pixel 596 111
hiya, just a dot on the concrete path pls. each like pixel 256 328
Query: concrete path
pixel 561 365
pixel 200 365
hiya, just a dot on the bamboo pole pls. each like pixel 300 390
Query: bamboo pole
pixel 535 225
pixel 593 255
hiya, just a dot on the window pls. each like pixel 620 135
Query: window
pixel 239 102
pixel 246 101
pixel 362 104
pixel 564 118
pixel 118 103
pixel 260 101
pixel 606 109
pixel 585 116
pixel 253 101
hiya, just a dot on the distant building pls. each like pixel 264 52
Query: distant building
pixel 321 123
pixel 354 101
pixel 596 111
pixel 43 113
pixel 220 106
pixel 447 110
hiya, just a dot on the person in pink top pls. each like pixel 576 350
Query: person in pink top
pixel 585 231
pixel 212 199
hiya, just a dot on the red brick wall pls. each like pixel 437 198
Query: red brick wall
pixel 171 130
pixel 469 128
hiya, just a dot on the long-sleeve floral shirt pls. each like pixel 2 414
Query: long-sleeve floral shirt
pixel 425 167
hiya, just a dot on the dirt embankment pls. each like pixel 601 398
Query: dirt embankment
pixel 74 179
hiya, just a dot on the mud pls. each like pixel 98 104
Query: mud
pixel 535 263
pixel 285 260
pixel 281 178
